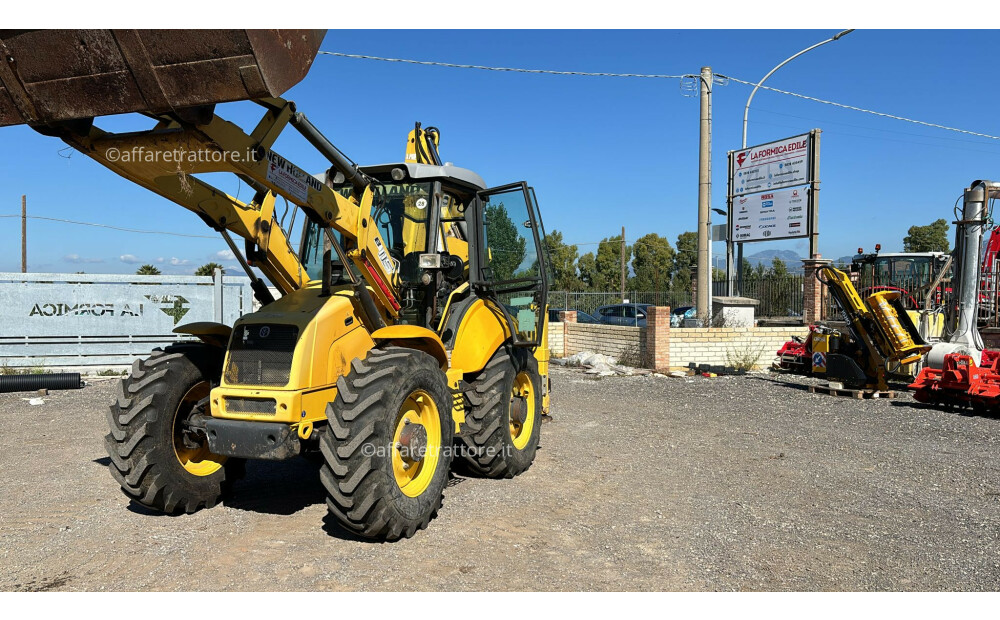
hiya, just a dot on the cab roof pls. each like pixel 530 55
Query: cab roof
pixel 460 176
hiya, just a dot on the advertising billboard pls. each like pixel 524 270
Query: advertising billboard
pixel 769 216
pixel 774 165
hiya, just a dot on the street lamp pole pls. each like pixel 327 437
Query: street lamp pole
pixel 746 116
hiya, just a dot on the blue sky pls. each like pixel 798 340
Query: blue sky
pixel 601 152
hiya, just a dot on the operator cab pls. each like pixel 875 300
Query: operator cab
pixel 429 217
pixel 909 273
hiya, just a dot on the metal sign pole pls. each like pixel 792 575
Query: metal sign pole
pixel 814 194
pixel 729 227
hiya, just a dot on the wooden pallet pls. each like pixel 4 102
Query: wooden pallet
pixel 858 394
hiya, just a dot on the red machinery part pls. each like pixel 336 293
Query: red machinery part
pixel 796 355
pixel 961 382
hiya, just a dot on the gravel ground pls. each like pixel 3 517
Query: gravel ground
pixel 641 483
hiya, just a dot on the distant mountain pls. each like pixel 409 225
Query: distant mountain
pixel 792 260
pixel 785 255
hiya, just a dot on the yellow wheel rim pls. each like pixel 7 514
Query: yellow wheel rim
pixel 416 443
pixel 520 432
pixel 196 461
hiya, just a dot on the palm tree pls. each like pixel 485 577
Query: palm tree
pixel 208 269
pixel 147 270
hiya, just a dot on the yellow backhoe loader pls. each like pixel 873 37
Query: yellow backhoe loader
pixel 410 328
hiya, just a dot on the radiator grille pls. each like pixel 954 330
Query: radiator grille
pixel 261 354
pixel 251 406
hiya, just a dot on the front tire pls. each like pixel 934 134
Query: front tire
pixel 156 458
pixel 384 467
pixel 502 427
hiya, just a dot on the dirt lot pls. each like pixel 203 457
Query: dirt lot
pixel 733 483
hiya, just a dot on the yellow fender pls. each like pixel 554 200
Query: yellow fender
pixel 414 337
pixel 480 334
pixel 213 334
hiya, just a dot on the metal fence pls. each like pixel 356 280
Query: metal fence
pixel 914 293
pixel 589 301
pixel 51 319
pixel 779 296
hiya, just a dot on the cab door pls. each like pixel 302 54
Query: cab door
pixel 510 270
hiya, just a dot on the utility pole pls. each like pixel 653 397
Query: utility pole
pixel 623 264
pixel 24 234
pixel 704 196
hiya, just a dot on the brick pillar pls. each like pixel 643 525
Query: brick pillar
pixel 812 303
pixel 658 337
pixel 566 316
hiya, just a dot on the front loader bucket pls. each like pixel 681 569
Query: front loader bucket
pixel 48 76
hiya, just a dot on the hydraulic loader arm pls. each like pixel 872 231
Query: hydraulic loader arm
pixel 166 158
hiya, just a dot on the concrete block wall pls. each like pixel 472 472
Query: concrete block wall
pixel 714 348
pixel 662 348
pixel 610 340
pixel 557 346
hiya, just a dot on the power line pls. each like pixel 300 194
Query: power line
pixel 865 110
pixel 507 69
pixel 870 128
pixel 662 76
pixel 131 230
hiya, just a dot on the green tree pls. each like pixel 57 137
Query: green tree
pixel 652 263
pixel 506 245
pixel 147 270
pixel 778 268
pixel 776 291
pixel 930 238
pixel 685 259
pixel 562 259
pixel 587 265
pixel 209 269
pixel 609 263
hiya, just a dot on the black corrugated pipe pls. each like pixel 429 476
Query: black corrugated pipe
pixel 30 383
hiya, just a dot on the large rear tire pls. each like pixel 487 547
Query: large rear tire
pixel 157 459
pixel 502 427
pixel 384 467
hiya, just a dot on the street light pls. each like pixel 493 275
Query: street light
pixel 746 116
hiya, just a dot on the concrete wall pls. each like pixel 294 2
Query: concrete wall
pixel 82 320
pixel 717 348
pixel 613 340
pixel 665 348
pixel 556 340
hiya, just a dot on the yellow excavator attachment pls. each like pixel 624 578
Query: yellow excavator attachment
pixel 88 73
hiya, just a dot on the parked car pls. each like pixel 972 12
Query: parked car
pixel 581 316
pixel 632 315
pixel 677 315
